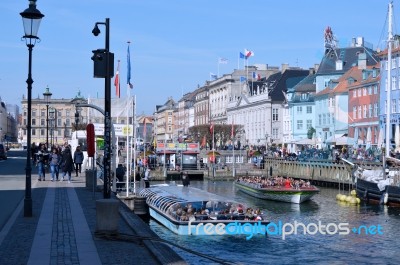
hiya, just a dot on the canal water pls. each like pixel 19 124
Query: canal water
pixel 371 234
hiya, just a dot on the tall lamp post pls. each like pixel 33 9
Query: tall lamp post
pixel 47 96
pixel 52 112
pixel 31 18
pixel 104 64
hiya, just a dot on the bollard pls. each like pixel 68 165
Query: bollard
pixel 91 178
pixel 107 216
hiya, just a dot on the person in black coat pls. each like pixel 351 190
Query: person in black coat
pixel 67 163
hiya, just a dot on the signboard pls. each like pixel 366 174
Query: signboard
pixel 120 129
pixel 176 147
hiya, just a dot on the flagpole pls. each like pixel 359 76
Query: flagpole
pixel 215 160
pixel 134 140
pixel 128 166
pixel 233 153
pixel 218 67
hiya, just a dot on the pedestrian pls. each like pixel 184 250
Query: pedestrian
pixel 147 178
pixel 120 174
pixel 185 179
pixel 78 160
pixel 41 161
pixel 55 159
pixel 67 164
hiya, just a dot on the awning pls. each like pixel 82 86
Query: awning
pixel 166 152
pixel 189 152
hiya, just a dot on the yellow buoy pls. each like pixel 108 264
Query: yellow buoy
pixel 353 193
pixel 358 200
pixel 353 201
pixel 338 196
pixel 348 198
pixel 343 198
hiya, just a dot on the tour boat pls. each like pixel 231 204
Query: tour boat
pixel 277 192
pixel 191 211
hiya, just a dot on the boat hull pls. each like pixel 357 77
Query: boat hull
pixel 281 194
pixel 370 193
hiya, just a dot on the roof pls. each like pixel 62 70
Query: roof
pixel 306 85
pixel 349 56
pixel 288 79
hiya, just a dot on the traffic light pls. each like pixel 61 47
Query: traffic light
pixel 100 63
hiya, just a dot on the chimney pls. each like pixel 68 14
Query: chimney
pixel 339 65
pixel 285 66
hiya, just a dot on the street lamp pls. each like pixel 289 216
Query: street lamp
pixel 47 96
pixel 31 18
pixel 103 68
pixel 52 112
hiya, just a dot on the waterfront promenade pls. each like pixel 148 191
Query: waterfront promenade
pixel 62 230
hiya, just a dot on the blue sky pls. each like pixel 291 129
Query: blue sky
pixel 175 44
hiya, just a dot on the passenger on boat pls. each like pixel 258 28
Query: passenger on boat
pixel 287 184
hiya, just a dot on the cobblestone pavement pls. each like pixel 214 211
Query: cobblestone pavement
pixel 62 230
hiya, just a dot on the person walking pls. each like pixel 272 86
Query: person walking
pixel 78 160
pixel 41 161
pixel 67 163
pixel 147 178
pixel 55 159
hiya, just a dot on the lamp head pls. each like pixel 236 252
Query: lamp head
pixel 31 18
pixel 96 30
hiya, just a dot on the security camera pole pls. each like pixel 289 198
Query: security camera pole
pixel 99 67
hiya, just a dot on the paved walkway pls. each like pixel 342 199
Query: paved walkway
pixel 62 231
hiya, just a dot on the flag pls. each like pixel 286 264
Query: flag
pixel 241 55
pixel 248 53
pixel 203 142
pixel 254 75
pixel 242 79
pixel 213 76
pixel 211 128
pixel 223 60
pixel 128 81
pixel 258 77
pixel 116 83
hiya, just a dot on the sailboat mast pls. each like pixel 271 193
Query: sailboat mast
pixel 389 80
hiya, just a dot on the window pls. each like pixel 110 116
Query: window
pixel 33 132
pixel 323 119
pixel 359 92
pixel 319 119
pixel 309 109
pixel 42 131
pixel 370 111
pixel 299 125
pixel 364 91
pixel 299 110
pixel 393 63
pixel 59 123
pixel 275 115
pixel 354 113
pixel 42 122
pixel 309 124
pixel 328 119
pixel 375 89
pixel 67 122
pixel 370 90
pixel 393 82
pixel 33 122
pixel 394 106
pixel 304 96
pixel 359 112
pixel 354 93
pixel 364 111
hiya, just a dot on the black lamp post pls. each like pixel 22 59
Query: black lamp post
pixel 107 74
pixel 47 96
pixel 31 18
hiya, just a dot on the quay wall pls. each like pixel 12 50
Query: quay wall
pixel 318 171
